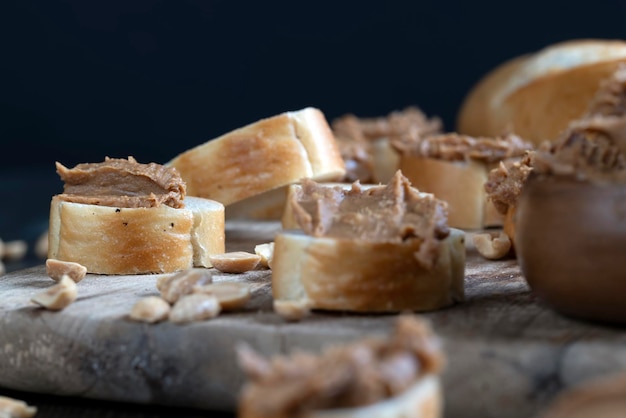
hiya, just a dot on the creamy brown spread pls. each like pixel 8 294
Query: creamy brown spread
pixel 593 147
pixel 353 375
pixel 388 213
pixel 354 136
pixel 123 183
pixel 455 147
pixel 505 182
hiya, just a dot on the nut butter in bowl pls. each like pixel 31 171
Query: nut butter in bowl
pixel 571 216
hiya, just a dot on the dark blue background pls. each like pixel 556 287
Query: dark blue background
pixel 83 79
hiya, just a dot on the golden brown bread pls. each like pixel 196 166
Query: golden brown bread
pixel 262 156
pixel 460 183
pixel 536 95
pixel 364 276
pixel 110 240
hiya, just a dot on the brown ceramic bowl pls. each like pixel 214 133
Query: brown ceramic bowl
pixel 571 246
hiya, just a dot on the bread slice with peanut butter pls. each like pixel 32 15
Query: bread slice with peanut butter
pixel 384 249
pixel 123 217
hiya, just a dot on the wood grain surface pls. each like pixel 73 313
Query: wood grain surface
pixel 508 355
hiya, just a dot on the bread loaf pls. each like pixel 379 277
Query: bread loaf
pixel 265 155
pixel 536 95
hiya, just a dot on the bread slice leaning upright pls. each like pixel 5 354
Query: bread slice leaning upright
pixel 113 219
pixel 261 157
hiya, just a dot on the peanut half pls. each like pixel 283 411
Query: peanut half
pixel 231 295
pixel 266 252
pixel 492 247
pixel 150 309
pixel 235 262
pixel 173 287
pixel 13 408
pixel 59 296
pixel 56 269
pixel 195 307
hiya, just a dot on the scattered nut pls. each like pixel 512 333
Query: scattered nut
pixel 13 408
pixel 15 250
pixel 150 309
pixel 195 307
pixel 231 295
pixel 492 248
pixel 58 296
pixel 57 269
pixel 174 286
pixel 292 310
pixel 41 245
pixel 266 252
pixel 235 262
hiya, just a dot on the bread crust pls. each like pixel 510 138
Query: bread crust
pixel 460 183
pixel 265 206
pixel 110 240
pixel 536 95
pixel 262 156
pixel 362 276
pixel 422 400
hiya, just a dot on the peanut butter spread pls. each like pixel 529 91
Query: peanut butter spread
pixel 354 375
pixel 354 136
pixel 455 147
pixel 388 213
pixel 594 146
pixel 504 183
pixel 122 183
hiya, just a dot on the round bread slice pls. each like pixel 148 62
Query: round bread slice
pixel 422 400
pixel 111 240
pixel 262 156
pixel 537 95
pixel 365 276
pixel 460 184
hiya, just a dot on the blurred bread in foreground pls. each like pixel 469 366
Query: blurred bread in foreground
pixel 395 376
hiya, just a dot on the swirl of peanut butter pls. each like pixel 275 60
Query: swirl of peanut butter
pixel 123 183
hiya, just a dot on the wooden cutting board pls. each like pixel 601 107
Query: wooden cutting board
pixel 508 355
